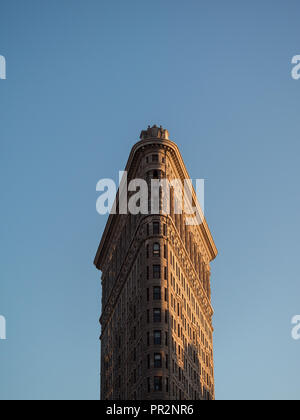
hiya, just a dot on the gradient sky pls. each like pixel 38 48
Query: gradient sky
pixel 84 77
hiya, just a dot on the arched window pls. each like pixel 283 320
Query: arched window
pixel 156 250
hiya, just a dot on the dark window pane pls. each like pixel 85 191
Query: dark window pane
pixel 156 293
pixel 154 158
pixel 156 228
pixel 156 272
pixel 157 360
pixel 157 383
pixel 156 315
pixel 157 337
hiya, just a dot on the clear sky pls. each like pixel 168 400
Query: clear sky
pixel 84 77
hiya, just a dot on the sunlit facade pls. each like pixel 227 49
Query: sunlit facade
pixel 157 333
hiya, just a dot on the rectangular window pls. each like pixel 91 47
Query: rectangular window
pixel 157 360
pixel 157 383
pixel 166 294
pixel 156 228
pixel 155 158
pixel 147 295
pixel 157 337
pixel 156 272
pixel 148 361
pixel 156 293
pixel 165 230
pixel 156 315
pixel 148 316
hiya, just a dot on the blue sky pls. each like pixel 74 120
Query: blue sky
pixel 83 79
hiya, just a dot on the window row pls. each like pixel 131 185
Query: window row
pixel 157 293
pixel 156 272
pixel 157 382
pixel 157 315
pixel 156 250
pixel 158 338
pixel 156 229
pixel 155 159
pixel 157 361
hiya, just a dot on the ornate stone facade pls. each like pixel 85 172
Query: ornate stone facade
pixel 157 333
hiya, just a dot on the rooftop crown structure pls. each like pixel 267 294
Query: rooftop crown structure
pixel 157 333
pixel 154 132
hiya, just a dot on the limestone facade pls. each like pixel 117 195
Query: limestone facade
pixel 157 333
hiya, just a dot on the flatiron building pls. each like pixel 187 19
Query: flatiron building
pixel 157 333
